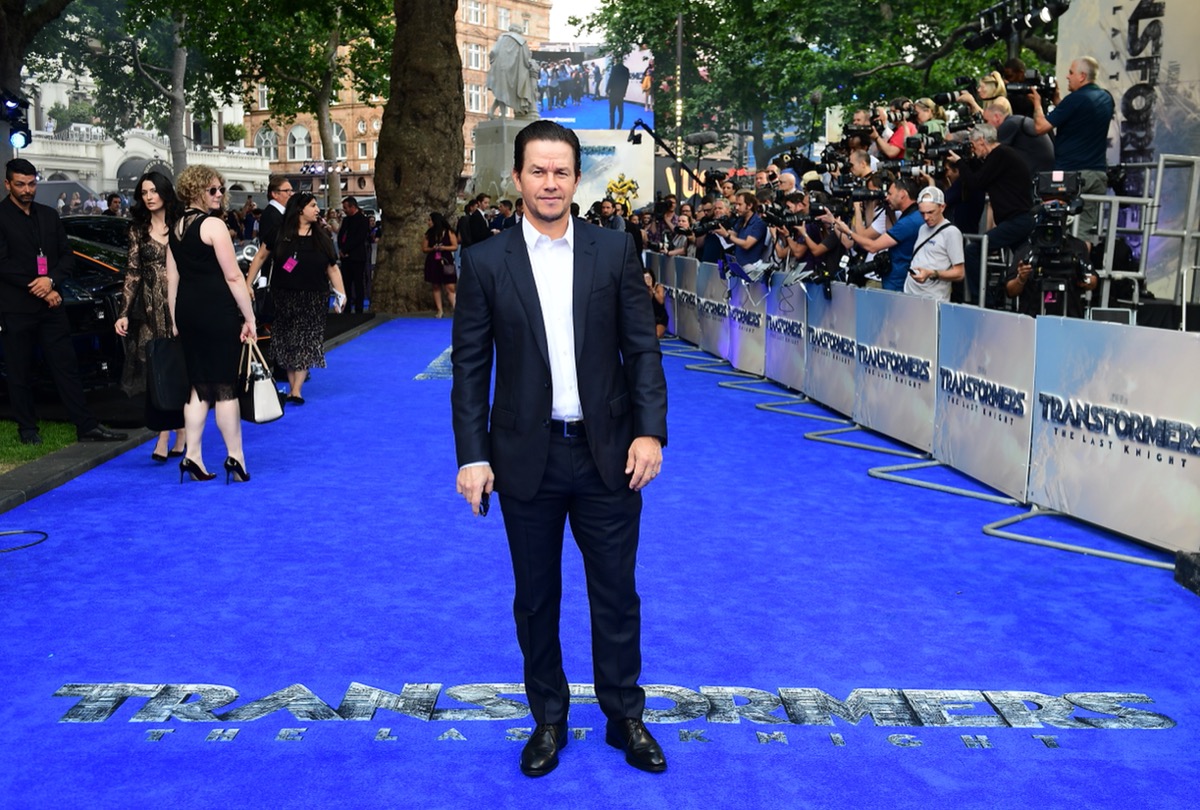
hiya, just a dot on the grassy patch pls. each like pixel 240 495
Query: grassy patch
pixel 13 454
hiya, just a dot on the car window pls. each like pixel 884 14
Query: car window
pixel 105 230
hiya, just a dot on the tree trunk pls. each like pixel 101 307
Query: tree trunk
pixel 332 178
pixel 17 29
pixel 420 147
pixel 178 112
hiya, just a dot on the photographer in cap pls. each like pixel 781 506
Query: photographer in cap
pixel 937 261
pixel 1080 123
pixel 901 238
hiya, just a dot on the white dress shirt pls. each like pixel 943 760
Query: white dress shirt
pixel 553 263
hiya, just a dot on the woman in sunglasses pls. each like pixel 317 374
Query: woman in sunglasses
pixel 211 310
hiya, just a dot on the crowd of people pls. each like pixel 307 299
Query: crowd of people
pixel 890 205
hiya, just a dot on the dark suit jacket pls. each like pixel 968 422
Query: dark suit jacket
pixel 618 360
pixel 353 236
pixel 478 226
pixel 21 236
pixel 268 231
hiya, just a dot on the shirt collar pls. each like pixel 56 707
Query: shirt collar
pixel 533 236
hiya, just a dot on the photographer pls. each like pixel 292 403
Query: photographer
pixel 899 112
pixel 682 241
pixel 989 88
pixel 1080 122
pixel 750 239
pixel 1053 272
pixel 1021 134
pixel 1003 174
pixel 931 118
pixel 715 245
pixel 937 261
pixel 901 239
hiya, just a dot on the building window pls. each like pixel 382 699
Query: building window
pixel 267 143
pixel 503 18
pixel 475 98
pixel 374 149
pixel 375 124
pixel 475 12
pixel 474 57
pixel 362 149
pixel 361 126
pixel 262 97
pixel 339 141
pixel 299 144
pixel 471 157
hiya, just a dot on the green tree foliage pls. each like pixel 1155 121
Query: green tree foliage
pixel 762 68
pixel 20 23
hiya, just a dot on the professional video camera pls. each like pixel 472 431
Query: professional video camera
pixel 1052 260
pixel 779 217
pixel 713 178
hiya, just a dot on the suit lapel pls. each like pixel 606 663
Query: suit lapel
pixel 521 272
pixel 585 271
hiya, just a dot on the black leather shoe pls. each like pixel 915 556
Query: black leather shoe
pixel 540 755
pixel 102 434
pixel 641 749
pixel 31 437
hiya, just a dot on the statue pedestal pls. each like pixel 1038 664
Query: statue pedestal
pixel 494 140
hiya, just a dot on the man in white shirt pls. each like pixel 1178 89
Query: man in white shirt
pixel 938 259
pixel 575 429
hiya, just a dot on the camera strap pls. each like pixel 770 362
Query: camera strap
pixel 929 238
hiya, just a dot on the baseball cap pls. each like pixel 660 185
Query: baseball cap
pixel 931 194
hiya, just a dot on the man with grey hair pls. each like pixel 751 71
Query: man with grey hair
pixel 1080 122
pixel 1018 131
pixel 1002 173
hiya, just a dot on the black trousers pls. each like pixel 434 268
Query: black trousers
pixel 354 276
pixel 22 333
pixel 606 526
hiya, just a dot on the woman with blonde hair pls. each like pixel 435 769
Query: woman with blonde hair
pixel 212 315
pixel 989 88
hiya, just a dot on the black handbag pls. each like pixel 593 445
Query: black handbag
pixel 166 374
pixel 259 399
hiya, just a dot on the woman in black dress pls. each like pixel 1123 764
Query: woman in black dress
pixel 211 311
pixel 303 273
pixel 144 313
pixel 438 245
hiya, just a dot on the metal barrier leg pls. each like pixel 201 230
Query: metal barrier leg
pixel 824 436
pixel 889 474
pixel 996 530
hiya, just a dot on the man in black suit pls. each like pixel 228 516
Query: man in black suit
pixel 279 191
pixel 353 239
pixel 618 85
pixel 478 224
pixel 577 426
pixel 35 258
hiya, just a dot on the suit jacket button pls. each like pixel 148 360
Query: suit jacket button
pixel 545 423
pixel 545 385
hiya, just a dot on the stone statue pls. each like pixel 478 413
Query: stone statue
pixel 512 76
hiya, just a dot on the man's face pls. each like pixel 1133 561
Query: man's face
pixel 506 210
pixel 931 213
pixel 861 118
pixel 349 207
pixel 741 208
pixel 979 147
pixel 484 204
pixel 896 198
pixel 283 194
pixel 1076 78
pixel 798 207
pixel 720 209
pixel 727 189
pixel 760 179
pixel 606 209
pixel 114 206
pixel 22 188
pixel 787 182
pixel 706 210
pixel 994 117
pixel 547 182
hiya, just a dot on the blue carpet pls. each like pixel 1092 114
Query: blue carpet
pixel 771 566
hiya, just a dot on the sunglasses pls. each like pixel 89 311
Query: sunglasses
pixel 215 190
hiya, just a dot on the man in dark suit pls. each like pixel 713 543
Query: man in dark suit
pixel 353 240
pixel 35 259
pixel 577 426
pixel 478 224
pixel 279 191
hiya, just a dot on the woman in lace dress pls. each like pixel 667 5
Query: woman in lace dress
pixel 144 313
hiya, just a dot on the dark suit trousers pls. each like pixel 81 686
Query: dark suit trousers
pixel 354 278
pixel 23 332
pixel 605 525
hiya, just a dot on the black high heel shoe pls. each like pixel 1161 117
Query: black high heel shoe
pixel 177 453
pixel 189 467
pixel 234 469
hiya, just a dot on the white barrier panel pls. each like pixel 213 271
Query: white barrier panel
pixel 784 339
pixel 663 269
pixel 830 358
pixel 894 392
pixel 747 325
pixel 985 408
pixel 712 310
pixel 686 322
pixel 1116 431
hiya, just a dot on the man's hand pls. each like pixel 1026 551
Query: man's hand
pixel 1024 270
pixel 41 286
pixel 473 482
pixel 53 299
pixel 921 274
pixel 644 461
